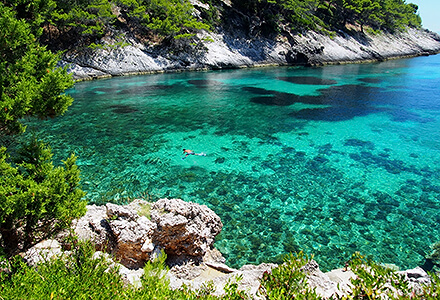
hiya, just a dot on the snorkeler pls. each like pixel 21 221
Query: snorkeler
pixel 188 152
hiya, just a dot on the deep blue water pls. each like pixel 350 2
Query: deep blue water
pixel 330 160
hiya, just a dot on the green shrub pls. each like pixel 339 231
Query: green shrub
pixel 88 17
pixel 156 286
pixel 373 280
pixel 432 291
pixel 37 199
pixel 154 283
pixel 288 281
pixel 30 83
pixel 322 16
pixel 78 274
pixel 74 276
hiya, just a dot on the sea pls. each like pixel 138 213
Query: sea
pixel 327 160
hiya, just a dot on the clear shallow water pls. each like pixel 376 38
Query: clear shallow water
pixel 329 160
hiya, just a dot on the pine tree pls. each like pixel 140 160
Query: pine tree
pixel 36 199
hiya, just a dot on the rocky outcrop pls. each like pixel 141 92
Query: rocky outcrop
pixel 323 283
pixel 184 228
pixel 135 233
pixel 248 278
pixel 338 281
pixel 417 278
pixel 42 251
pixel 358 47
pixel 176 227
pixel 234 46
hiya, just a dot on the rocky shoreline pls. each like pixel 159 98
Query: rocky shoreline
pixel 222 49
pixel 138 232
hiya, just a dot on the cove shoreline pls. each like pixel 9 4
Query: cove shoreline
pixel 223 50
pixel 140 73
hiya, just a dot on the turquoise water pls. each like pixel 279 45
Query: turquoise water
pixel 329 160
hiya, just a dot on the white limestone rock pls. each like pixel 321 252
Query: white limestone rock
pixel 184 228
pixel 43 251
pixel 93 226
pixel 235 49
pixel 417 278
pixel 176 226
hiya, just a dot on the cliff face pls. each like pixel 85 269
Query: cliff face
pixel 236 45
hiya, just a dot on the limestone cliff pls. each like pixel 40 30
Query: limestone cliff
pixel 235 45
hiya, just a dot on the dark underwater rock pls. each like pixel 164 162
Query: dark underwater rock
pixel 123 109
pixel 308 80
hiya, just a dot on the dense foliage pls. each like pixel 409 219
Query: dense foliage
pixel 81 274
pixel 77 23
pixel 288 281
pixel 29 82
pixel 388 15
pixel 374 281
pixel 36 199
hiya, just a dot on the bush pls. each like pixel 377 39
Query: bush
pixel 30 83
pixel 288 281
pixel 374 281
pixel 78 274
pixel 37 199
pixel 75 276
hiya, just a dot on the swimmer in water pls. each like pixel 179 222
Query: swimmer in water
pixel 188 152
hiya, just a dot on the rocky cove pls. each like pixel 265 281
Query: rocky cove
pixel 186 231
pixel 235 45
pixel 135 233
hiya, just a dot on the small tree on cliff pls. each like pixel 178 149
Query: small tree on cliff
pixel 36 199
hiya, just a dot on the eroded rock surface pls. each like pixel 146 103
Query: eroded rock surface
pixel 228 48
pixel 184 228
pixel 134 233
pixel 177 227
pixel 42 251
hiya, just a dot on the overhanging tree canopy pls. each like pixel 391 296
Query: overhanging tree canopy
pixel 30 84
pixel 36 198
